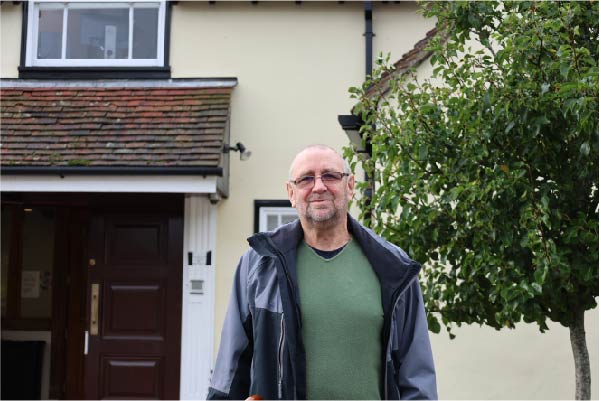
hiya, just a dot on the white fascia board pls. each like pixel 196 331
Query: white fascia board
pixel 122 83
pixel 190 184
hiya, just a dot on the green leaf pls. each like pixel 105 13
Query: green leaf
pixel 585 149
pixel 564 68
pixel 433 324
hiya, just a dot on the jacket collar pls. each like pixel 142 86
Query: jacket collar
pixel 283 239
pixel 393 267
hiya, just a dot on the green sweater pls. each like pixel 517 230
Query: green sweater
pixel 342 324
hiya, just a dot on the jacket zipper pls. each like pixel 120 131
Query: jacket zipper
pixel 282 259
pixel 281 355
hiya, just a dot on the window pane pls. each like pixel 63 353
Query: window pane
pixel 272 222
pixel 6 231
pixel 97 33
pixel 50 34
pixel 287 218
pixel 38 258
pixel 145 32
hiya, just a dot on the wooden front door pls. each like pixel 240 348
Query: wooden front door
pixel 133 317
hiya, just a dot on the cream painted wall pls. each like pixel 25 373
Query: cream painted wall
pixel 482 363
pixel 403 26
pixel 294 64
pixel 10 39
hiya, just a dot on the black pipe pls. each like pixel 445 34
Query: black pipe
pixel 108 170
pixel 369 34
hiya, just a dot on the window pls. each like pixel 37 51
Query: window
pixel 270 214
pixel 96 34
pixel 28 235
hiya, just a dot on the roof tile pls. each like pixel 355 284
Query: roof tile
pixel 114 126
pixel 412 58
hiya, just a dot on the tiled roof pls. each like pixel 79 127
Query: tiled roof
pixel 412 58
pixel 110 127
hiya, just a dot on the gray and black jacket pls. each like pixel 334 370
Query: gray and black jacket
pixel 261 350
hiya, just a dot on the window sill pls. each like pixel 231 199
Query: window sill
pixel 94 72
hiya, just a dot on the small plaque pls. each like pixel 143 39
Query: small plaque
pixel 196 286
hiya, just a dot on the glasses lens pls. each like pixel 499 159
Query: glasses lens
pixel 331 177
pixel 326 178
pixel 305 181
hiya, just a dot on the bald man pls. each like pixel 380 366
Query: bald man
pixel 323 308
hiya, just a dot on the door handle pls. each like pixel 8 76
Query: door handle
pixel 94 309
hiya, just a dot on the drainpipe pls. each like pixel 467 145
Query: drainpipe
pixel 351 124
pixel 369 34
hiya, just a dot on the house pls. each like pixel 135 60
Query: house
pixel 127 190
pixel 142 143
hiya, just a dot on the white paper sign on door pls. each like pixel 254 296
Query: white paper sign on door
pixel 30 284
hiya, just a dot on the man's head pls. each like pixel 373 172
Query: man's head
pixel 320 186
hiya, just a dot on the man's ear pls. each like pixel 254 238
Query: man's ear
pixel 290 191
pixel 350 187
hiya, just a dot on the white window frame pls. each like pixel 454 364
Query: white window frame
pixel 265 211
pixel 32 34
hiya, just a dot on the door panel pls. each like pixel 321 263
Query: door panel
pixel 136 261
pixel 132 311
pixel 119 373
pixel 131 243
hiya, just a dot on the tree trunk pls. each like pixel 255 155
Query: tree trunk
pixel 581 361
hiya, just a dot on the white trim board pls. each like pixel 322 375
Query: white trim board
pixel 122 83
pixel 190 184
pixel 200 233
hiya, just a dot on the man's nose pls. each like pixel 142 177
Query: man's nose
pixel 319 186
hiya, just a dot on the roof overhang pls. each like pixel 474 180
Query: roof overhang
pixel 125 183
pixel 116 135
pixel 110 179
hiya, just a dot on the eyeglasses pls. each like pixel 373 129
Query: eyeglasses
pixel 308 181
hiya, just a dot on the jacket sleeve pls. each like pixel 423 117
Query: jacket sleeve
pixel 231 376
pixel 413 358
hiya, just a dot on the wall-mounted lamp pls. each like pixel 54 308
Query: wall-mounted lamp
pixel 244 153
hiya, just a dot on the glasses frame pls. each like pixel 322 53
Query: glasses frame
pixel 315 177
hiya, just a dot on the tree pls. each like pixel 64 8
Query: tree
pixel 487 172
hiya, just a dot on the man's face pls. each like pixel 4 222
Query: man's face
pixel 320 203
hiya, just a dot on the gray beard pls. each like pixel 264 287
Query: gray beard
pixel 330 219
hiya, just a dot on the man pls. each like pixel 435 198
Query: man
pixel 323 308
